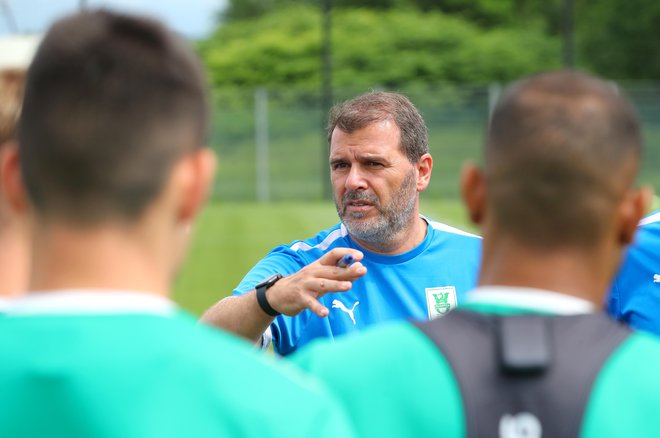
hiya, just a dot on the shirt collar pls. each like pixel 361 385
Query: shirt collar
pixel 539 300
pixel 4 302
pixel 89 301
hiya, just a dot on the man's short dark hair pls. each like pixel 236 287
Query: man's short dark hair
pixel 112 101
pixel 378 106
pixel 562 149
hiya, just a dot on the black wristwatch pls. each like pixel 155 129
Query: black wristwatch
pixel 261 294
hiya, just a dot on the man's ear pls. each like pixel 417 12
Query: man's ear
pixel 195 176
pixel 424 168
pixel 633 207
pixel 11 180
pixel 473 190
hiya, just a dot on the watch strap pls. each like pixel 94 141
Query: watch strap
pixel 263 301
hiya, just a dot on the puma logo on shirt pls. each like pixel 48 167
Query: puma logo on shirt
pixel 336 304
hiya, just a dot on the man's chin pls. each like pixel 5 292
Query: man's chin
pixel 359 225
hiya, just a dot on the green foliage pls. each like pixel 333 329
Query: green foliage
pixel 618 38
pixel 372 48
pixel 484 13
pixel 278 48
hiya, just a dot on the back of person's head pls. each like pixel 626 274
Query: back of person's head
pixel 378 106
pixel 112 102
pixel 563 149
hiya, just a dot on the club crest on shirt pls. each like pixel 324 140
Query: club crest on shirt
pixel 440 300
pixel 656 278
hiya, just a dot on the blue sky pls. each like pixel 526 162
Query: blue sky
pixel 192 18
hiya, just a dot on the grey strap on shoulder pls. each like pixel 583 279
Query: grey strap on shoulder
pixel 524 375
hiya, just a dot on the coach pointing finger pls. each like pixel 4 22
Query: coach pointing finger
pixel 379 164
pixel 252 313
pixel 297 292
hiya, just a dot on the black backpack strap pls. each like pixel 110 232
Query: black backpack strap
pixel 529 371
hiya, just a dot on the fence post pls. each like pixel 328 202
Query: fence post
pixel 261 140
pixel 494 91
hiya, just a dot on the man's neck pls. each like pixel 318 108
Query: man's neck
pixel 14 262
pixel 107 259
pixel 403 241
pixel 570 272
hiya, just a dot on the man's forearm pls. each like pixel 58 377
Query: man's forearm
pixel 240 315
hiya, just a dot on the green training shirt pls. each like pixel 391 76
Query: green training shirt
pixel 394 382
pixel 111 364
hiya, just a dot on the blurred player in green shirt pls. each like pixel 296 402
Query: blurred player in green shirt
pixel 110 174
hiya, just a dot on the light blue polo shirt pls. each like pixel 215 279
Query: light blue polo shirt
pixel 422 283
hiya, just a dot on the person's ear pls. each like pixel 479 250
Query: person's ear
pixel 424 168
pixel 633 207
pixel 195 178
pixel 473 191
pixel 11 179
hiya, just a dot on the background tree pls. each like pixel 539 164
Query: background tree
pixel 618 38
pixel 389 47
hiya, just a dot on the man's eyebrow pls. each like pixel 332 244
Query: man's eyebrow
pixel 362 157
pixel 337 160
pixel 372 157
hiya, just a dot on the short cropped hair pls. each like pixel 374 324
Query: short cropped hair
pixel 562 149
pixel 378 106
pixel 112 102
pixel 12 84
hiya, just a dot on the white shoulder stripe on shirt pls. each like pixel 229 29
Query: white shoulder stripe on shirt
pixel 324 244
pixel 651 219
pixel 444 227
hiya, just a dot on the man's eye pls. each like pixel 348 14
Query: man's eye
pixel 374 164
pixel 339 166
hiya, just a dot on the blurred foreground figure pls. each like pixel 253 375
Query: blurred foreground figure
pixel 635 294
pixel 13 241
pixel 111 174
pixel 530 354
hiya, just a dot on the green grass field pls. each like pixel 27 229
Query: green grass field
pixel 231 237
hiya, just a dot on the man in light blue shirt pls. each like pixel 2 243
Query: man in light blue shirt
pixel 407 266
pixel 635 294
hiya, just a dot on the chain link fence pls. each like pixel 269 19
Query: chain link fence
pixel 271 142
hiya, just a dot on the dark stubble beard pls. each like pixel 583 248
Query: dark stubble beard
pixel 392 218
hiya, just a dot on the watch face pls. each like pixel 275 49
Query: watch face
pixel 270 280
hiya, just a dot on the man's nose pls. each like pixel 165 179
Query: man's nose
pixel 356 179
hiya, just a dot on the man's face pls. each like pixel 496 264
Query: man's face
pixel 374 183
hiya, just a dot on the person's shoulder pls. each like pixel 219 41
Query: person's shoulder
pixel 629 374
pixel 225 356
pixel 652 220
pixel 229 360
pixel 637 358
pixel 448 231
pixel 390 378
pixel 648 231
pixel 374 344
pixel 225 372
pixel 448 240
pixel 321 242
pixel 641 342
